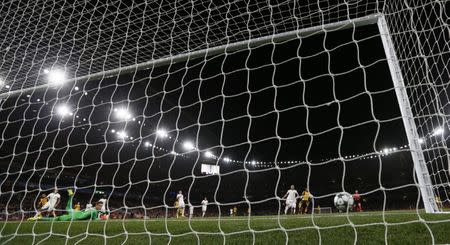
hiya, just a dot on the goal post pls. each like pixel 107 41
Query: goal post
pixel 420 167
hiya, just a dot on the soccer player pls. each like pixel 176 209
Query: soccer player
pixel 357 204
pixel 77 206
pixel 438 203
pixel 204 206
pixel 104 211
pixel 181 205
pixel 291 199
pixel 50 205
pixel 42 201
pixel 191 211
pixel 304 203
pixel 72 214
pixel 234 211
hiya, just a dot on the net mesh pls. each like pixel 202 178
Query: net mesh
pixel 137 103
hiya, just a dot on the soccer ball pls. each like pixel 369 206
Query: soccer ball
pixel 343 201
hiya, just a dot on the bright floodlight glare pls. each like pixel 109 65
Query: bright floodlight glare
pixel 438 131
pixel 253 162
pixel 63 110
pixel 161 133
pixel 421 141
pixel 226 159
pixel 122 113
pixel 122 134
pixel 386 150
pixel 56 77
pixel 209 154
pixel 187 145
pixel 147 144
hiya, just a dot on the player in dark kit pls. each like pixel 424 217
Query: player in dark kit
pixel 357 202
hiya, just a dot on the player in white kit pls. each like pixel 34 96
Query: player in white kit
pixel 191 211
pixel 204 206
pixel 291 199
pixel 52 202
pixel 181 205
pixel 104 211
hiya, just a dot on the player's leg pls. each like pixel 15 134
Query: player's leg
pixel 288 205
pixel 44 208
pixel 306 207
pixel 69 206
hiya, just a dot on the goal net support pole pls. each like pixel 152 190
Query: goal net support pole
pixel 421 170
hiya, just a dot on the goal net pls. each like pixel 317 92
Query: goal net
pixel 200 122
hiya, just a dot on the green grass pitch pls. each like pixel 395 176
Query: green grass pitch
pixel 366 228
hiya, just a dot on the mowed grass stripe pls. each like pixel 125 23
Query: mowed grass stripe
pixel 366 228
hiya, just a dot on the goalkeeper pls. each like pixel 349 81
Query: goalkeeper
pixel 88 214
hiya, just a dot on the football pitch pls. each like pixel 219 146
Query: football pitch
pixel 399 227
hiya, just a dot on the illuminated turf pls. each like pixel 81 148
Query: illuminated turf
pixel 402 228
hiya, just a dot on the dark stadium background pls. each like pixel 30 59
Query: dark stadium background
pixel 251 110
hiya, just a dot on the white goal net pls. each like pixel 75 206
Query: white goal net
pixel 231 122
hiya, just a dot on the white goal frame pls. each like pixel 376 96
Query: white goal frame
pixel 421 170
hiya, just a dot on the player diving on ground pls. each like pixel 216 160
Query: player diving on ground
pixel 72 214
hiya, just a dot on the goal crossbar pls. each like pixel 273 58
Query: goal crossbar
pixel 251 43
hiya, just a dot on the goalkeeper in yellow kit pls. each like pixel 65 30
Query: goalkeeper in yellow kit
pixel 72 215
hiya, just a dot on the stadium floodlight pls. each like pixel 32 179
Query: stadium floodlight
pixel 253 162
pixel 173 153
pixel 113 130
pixel 122 114
pixel 162 133
pixel 421 141
pixel 63 110
pixel 189 146
pixel 438 131
pixel 122 135
pixel 56 77
pixel 147 144
pixel 386 151
pixel 209 154
pixel 226 159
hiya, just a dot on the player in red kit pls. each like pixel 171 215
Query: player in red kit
pixel 357 202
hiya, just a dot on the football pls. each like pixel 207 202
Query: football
pixel 343 201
